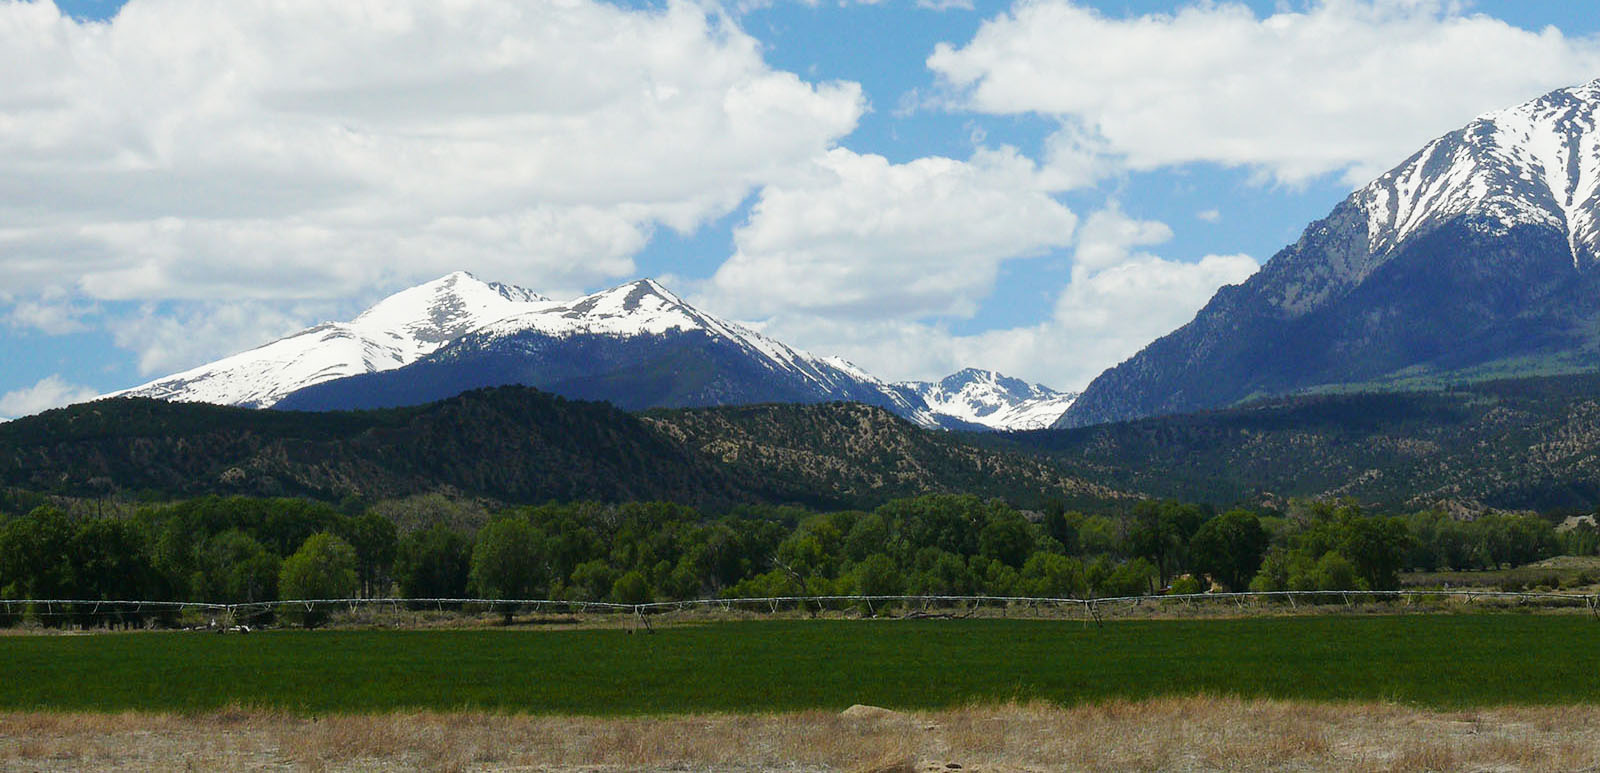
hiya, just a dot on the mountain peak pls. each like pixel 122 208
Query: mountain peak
pixel 394 332
pixel 1537 163
pixel 992 399
pixel 446 308
pixel 1475 257
pixel 637 344
pixel 628 298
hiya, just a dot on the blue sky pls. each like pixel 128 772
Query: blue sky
pixel 1040 188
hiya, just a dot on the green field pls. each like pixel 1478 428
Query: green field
pixel 1435 661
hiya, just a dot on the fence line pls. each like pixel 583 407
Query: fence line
pixel 1091 606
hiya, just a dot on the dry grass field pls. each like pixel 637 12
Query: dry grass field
pixel 1179 734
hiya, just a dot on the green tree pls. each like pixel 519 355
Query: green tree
pixel 1274 572
pixel 1051 575
pixel 375 541
pixel 109 561
pixel 1229 547
pixel 1006 538
pixel 507 563
pixel 1130 578
pixel 1059 527
pixel 323 568
pixel 591 581
pixel 1335 572
pixel 1582 540
pixel 868 535
pixel 1376 549
pixel 877 575
pixel 941 574
pixel 1161 532
pixel 35 556
pixel 631 588
pixel 235 569
pixel 432 564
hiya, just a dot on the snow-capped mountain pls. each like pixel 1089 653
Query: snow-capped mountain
pixel 989 399
pixel 637 345
pixel 397 331
pixel 1537 164
pixel 1477 257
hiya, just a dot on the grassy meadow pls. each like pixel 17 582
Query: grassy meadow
pixel 1434 661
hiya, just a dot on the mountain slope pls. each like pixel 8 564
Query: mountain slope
pixel 396 332
pixel 1515 444
pixel 990 400
pixel 859 455
pixel 636 346
pixel 515 445
pixel 1475 258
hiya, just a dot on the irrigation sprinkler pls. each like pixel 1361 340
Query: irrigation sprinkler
pixel 1093 608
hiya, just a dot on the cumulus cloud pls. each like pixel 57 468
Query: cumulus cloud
pixel 945 5
pixel 49 392
pixel 1119 299
pixel 177 336
pixel 52 311
pixel 858 236
pixel 1103 318
pixel 299 149
pixel 1350 86
pixel 1109 236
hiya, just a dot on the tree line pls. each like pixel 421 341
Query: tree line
pixel 242 550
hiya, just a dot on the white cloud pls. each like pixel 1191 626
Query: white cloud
pixel 1108 237
pixel 945 5
pixel 1119 299
pixel 52 311
pixel 861 237
pixel 173 339
pixel 50 392
pixel 1209 215
pixel 1349 86
pixel 1103 318
pixel 301 149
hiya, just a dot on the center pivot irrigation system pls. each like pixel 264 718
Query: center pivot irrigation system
pixel 1093 609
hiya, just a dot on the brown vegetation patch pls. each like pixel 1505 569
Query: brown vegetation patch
pixel 1187 734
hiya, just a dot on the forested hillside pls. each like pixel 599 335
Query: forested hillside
pixel 1522 444
pixel 1525 443
pixel 860 454
pixel 516 445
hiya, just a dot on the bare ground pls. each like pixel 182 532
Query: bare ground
pixel 1180 734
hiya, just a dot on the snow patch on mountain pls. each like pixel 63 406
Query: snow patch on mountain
pixel 644 307
pixel 1534 164
pixel 398 331
pixel 990 399
pixel 415 323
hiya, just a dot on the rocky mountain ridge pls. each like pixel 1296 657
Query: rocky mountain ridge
pixel 637 345
pixel 1475 258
